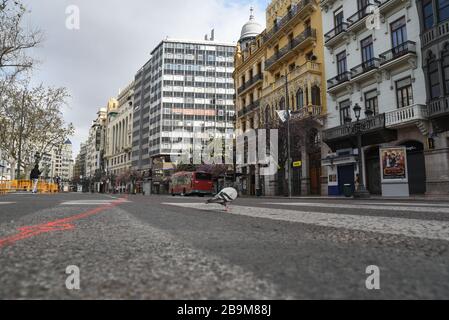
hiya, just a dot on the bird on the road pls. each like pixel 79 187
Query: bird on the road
pixel 224 197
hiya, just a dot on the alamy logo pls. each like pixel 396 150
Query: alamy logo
pixel 373 19
pixel 73 280
pixel 204 147
pixel 72 21
pixel 373 281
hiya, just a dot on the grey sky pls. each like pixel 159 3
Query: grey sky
pixel 115 40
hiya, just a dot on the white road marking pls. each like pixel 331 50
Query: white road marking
pixel 362 206
pixel 91 202
pixel 7 203
pixel 425 229
pixel 417 204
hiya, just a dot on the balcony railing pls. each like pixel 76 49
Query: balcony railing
pixel 286 19
pixel 359 15
pixel 254 105
pixel 350 129
pixel 398 51
pixel 366 66
pixel 439 107
pixel 435 34
pixel 341 78
pixel 250 82
pixel 306 34
pixel 336 31
pixel 307 111
pixel 405 115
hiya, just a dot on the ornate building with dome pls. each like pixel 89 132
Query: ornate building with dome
pixel 282 68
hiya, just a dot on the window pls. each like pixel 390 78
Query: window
pixel 398 35
pixel 316 96
pixel 367 52
pixel 445 65
pixel 341 63
pixel 434 77
pixel 345 112
pixel 443 10
pixel 371 102
pixel 338 20
pixel 404 92
pixel 300 99
pixel 282 104
pixel 427 9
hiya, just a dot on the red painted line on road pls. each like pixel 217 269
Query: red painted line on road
pixel 56 225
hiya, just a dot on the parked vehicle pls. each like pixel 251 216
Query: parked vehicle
pixel 191 183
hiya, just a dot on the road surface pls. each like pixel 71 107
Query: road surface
pixel 163 247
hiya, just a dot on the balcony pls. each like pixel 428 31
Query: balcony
pixel 247 109
pixel 398 55
pixel 250 83
pixel 439 114
pixel 373 131
pixel 435 34
pixel 296 14
pixel 309 67
pixel 335 82
pixel 307 112
pixel 438 108
pixel 305 39
pixel 403 117
pixel 362 71
pixel 387 5
pixel 306 68
pixel 357 20
pixel 336 35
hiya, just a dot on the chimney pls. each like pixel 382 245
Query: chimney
pixel 212 35
pixel 205 37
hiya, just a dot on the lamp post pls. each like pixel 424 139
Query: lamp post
pixel 361 192
pixel 289 157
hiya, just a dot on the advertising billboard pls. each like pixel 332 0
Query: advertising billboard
pixel 393 164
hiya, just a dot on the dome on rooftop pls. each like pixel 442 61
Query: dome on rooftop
pixel 251 29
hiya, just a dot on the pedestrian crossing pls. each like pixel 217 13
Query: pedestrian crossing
pixel 93 202
pixel 416 228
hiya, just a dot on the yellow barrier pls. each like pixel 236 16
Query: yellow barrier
pixel 27 186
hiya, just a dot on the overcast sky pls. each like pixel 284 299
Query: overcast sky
pixel 115 39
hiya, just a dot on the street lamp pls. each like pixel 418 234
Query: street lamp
pixel 361 192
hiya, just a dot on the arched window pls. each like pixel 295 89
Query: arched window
pixel 445 67
pixel 433 76
pixel 267 116
pixel 316 96
pixel 300 99
pixel 282 104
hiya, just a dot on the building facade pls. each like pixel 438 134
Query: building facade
pixel 434 18
pixel 58 164
pixel 184 87
pixel 373 60
pixel 119 132
pixel 79 169
pixel 281 69
pixel 5 168
pixel 95 149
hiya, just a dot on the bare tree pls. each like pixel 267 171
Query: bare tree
pixel 31 121
pixel 15 40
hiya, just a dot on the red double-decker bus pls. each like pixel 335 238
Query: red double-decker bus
pixel 191 183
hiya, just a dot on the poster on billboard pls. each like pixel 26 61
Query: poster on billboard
pixel 394 164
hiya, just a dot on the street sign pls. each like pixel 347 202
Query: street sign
pixel 297 164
